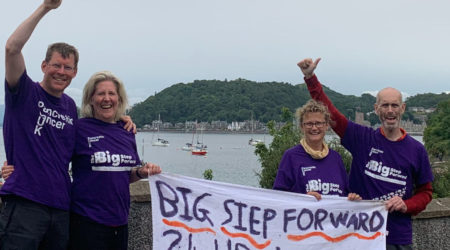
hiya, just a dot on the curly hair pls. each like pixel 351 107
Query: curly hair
pixel 312 106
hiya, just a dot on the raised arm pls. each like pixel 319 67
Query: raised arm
pixel 14 61
pixel 307 67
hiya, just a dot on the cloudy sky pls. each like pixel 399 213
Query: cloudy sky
pixel 152 45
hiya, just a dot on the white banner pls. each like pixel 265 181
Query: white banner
pixel 191 213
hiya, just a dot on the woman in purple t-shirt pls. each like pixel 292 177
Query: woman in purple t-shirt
pixel 103 165
pixel 311 167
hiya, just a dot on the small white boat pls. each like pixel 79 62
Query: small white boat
pixel 161 143
pixel 254 142
pixel 187 147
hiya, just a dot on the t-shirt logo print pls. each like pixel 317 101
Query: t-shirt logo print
pixel 51 117
pixel 381 172
pixel 94 139
pixel 306 169
pixel 375 151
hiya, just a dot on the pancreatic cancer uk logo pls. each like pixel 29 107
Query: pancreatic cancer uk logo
pixel 50 117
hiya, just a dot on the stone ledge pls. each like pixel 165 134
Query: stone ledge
pixel 437 208
pixel 140 191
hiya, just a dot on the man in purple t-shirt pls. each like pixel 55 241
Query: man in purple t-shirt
pixel 39 136
pixel 388 164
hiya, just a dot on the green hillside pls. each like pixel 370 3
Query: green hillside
pixel 428 100
pixel 211 100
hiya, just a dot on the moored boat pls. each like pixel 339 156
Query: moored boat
pixel 254 142
pixel 187 147
pixel 161 143
pixel 199 149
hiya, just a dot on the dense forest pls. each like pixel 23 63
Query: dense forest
pixel 428 100
pixel 240 99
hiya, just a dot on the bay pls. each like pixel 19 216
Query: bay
pixel 229 156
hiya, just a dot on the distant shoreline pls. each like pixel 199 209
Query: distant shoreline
pixel 210 131
pixel 218 131
pixel 234 132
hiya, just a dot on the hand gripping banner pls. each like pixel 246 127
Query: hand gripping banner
pixel 189 213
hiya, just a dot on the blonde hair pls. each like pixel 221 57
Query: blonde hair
pixel 312 106
pixel 89 90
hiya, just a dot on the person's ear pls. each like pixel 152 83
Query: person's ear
pixel 43 66
pixel 403 107
pixel 375 107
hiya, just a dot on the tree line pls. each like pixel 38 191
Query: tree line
pixel 241 99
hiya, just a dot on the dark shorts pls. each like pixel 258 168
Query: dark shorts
pixel 398 247
pixel 25 224
pixel 86 234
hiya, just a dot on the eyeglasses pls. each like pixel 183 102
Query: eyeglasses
pixel 311 124
pixel 58 66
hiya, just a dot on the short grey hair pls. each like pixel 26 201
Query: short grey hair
pixel 91 86
pixel 389 89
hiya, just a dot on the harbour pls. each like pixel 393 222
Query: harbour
pixel 230 157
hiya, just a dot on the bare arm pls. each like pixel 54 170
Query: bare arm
pixel 14 61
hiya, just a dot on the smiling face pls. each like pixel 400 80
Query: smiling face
pixel 390 108
pixel 58 73
pixel 314 127
pixel 105 101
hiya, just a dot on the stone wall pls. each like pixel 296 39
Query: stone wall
pixel 430 228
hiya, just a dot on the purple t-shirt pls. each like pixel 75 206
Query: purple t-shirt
pixel 104 155
pixel 299 172
pixel 382 169
pixel 39 136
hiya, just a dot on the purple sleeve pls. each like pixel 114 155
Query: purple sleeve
pixel 20 93
pixel 425 174
pixel 355 136
pixel 284 179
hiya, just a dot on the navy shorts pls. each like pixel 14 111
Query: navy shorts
pixel 25 224
pixel 86 234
